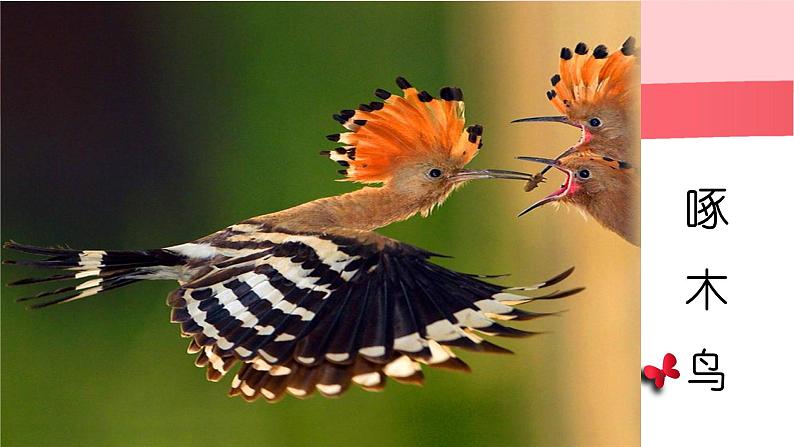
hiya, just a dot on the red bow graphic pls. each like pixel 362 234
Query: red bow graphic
pixel 658 375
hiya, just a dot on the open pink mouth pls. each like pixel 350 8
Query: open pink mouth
pixel 568 187
pixel 585 138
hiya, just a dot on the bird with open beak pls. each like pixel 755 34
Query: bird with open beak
pixel 605 188
pixel 312 299
pixel 596 93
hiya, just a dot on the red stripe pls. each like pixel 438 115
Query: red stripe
pixel 717 109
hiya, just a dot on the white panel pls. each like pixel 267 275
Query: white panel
pixel 754 333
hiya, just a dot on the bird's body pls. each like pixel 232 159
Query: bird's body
pixel 311 298
pixel 596 93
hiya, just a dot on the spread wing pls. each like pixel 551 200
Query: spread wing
pixel 316 312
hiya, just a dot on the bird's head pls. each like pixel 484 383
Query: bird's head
pixel 603 187
pixel 592 181
pixel 593 91
pixel 415 144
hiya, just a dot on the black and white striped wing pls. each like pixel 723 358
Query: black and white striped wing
pixel 308 312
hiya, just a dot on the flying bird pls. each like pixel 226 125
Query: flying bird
pixel 311 299
pixel 596 93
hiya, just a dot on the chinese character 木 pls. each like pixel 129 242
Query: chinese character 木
pixel 706 287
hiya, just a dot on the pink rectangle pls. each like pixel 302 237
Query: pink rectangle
pixel 717 109
pixel 710 41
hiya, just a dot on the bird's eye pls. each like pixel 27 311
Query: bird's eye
pixel 434 173
pixel 584 174
pixel 595 122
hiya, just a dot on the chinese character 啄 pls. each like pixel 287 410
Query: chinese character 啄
pixel 708 205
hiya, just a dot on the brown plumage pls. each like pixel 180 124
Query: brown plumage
pixel 310 299
pixel 597 93
pixel 607 189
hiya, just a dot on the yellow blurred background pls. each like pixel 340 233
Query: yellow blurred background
pixel 144 125
pixel 589 393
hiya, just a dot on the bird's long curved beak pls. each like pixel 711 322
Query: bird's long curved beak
pixel 557 119
pixel 560 193
pixel 553 119
pixel 478 174
pixel 545 161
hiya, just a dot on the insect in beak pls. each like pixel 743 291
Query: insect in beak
pixel 564 189
pixel 478 174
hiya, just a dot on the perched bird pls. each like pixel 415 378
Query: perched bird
pixel 596 93
pixel 310 298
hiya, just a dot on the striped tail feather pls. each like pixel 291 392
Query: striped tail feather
pixel 101 270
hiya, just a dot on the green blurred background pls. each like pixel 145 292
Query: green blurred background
pixel 146 125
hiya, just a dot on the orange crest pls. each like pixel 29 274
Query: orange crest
pixel 403 129
pixel 584 79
